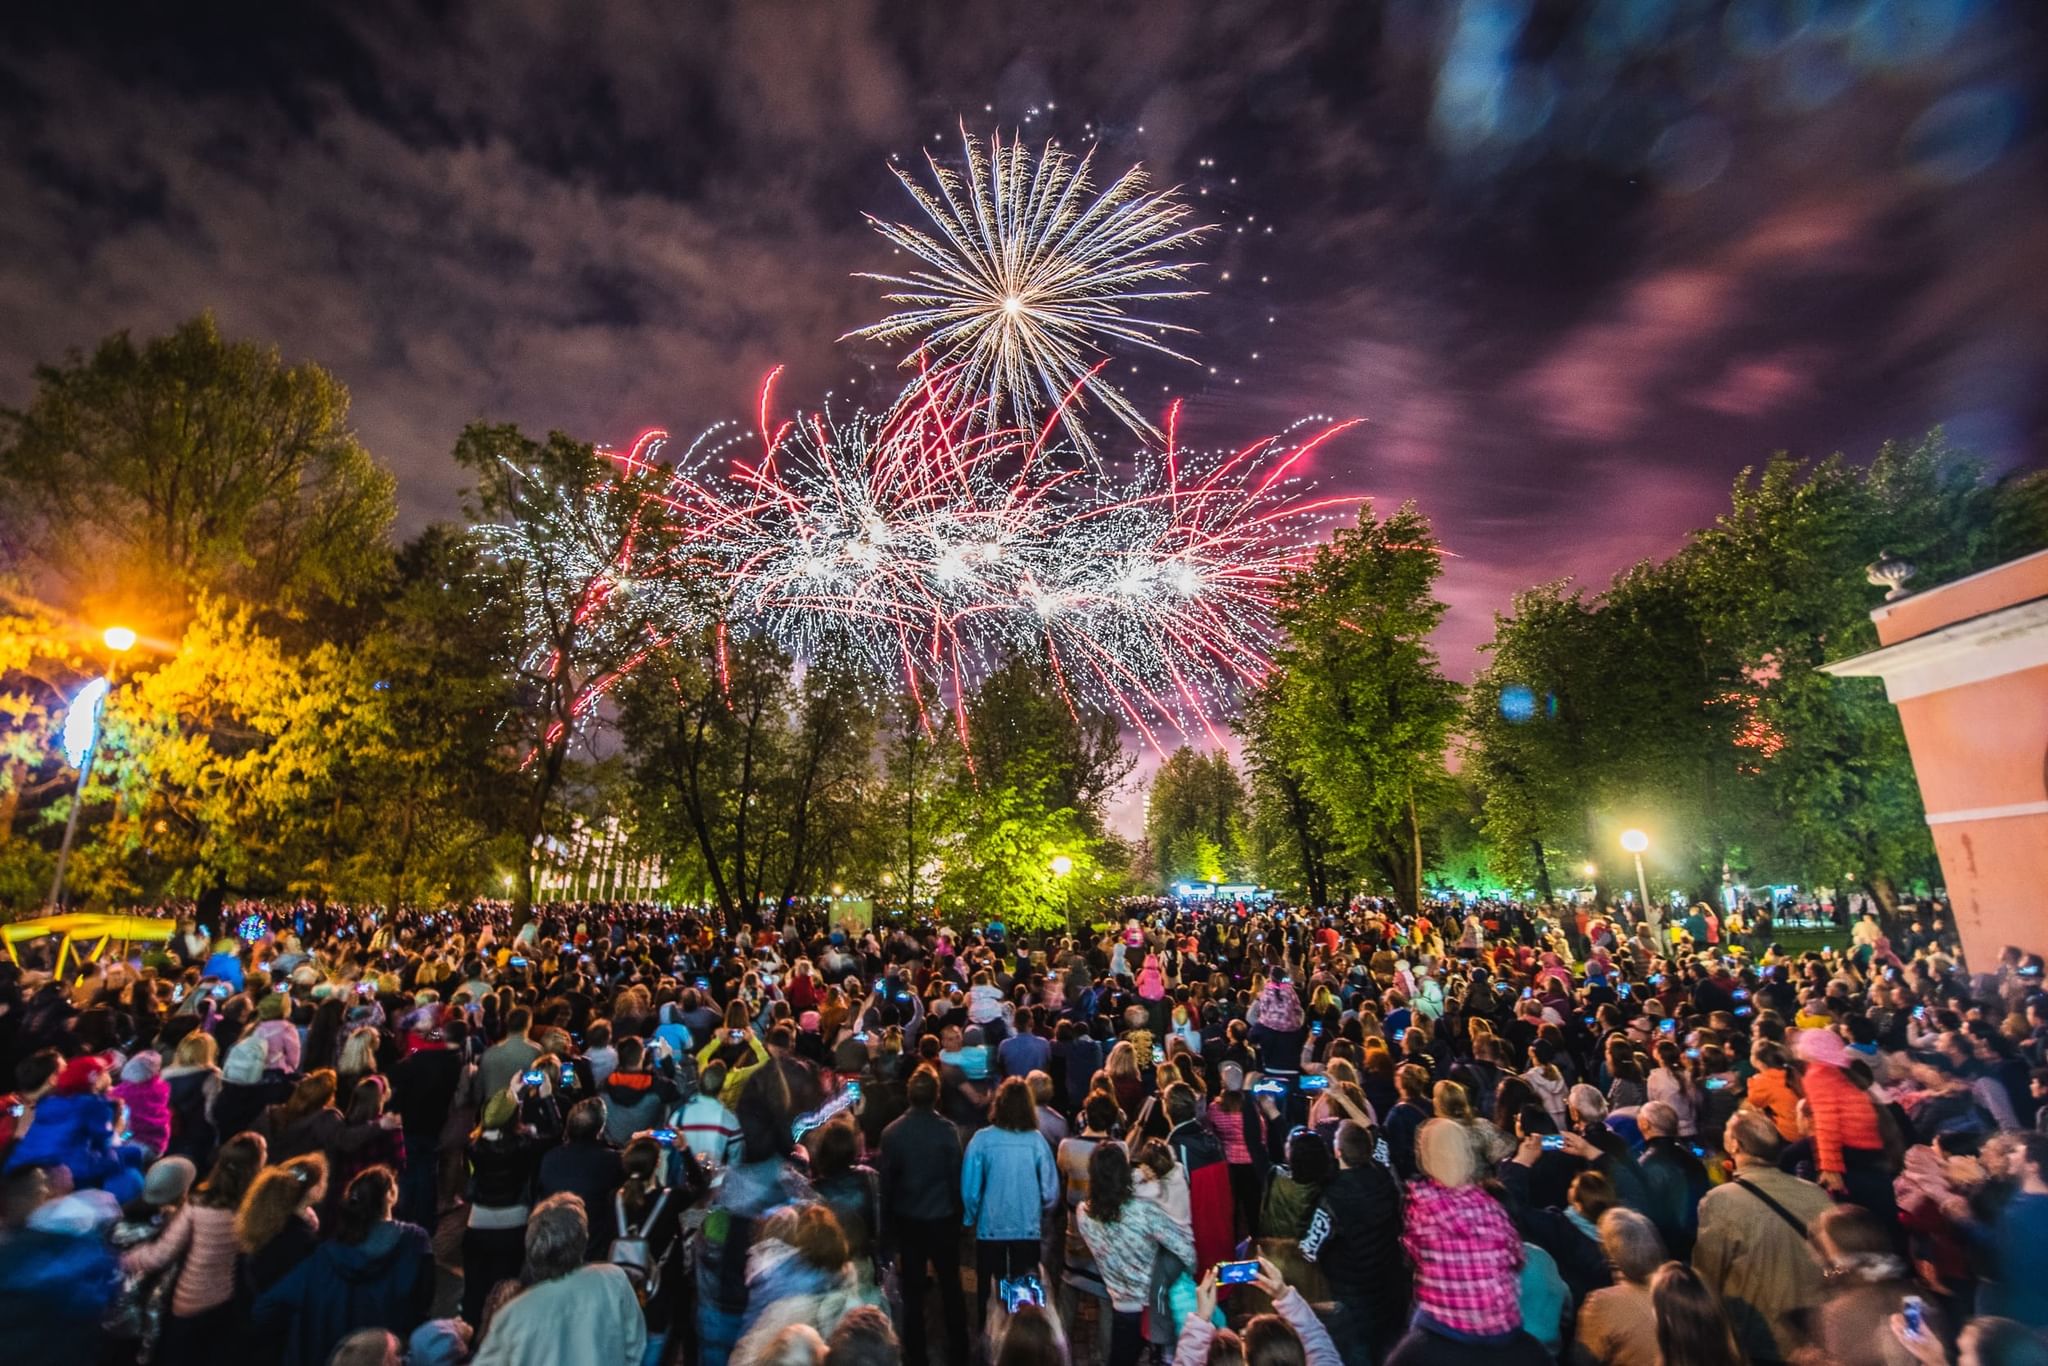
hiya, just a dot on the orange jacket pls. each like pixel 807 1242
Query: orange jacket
pixel 1844 1116
pixel 1771 1091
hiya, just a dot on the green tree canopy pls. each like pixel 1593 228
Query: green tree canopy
pixel 146 473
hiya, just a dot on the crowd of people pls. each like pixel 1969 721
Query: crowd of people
pixel 1213 1134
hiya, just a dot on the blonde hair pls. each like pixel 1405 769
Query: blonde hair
pixel 196 1049
pixel 359 1050
pixel 1446 1154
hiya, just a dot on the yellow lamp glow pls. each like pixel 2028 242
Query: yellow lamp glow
pixel 1635 841
pixel 119 639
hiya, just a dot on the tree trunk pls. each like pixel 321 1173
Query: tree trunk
pixel 1543 888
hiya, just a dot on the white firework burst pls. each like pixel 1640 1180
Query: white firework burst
pixel 1030 274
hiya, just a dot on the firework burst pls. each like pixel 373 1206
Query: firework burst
pixel 1029 273
pixel 925 547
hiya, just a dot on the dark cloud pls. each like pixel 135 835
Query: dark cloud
pixel 1578 263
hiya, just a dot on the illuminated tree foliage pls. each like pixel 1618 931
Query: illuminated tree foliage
pixel 1195 818
pixel 1354 724
pixel 142 474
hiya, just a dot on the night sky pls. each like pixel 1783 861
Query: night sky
pixel 1577 263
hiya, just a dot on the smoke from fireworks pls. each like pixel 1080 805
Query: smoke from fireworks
pixel 1029 272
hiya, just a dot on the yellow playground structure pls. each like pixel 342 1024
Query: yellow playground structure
pixel 85 937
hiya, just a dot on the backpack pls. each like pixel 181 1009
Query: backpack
pixel 630 1252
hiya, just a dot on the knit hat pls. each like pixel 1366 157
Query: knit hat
pixel 1823 1046
pixel 808 1022
pixel 1233 1076
pixel 144 1066
pixel 168 1180
pixel 438 1342
pixel 271 1007
pixel 499 1111
pixel 80 1075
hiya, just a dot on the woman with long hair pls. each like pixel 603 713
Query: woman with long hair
pixel 1008 1180
pixel 306 1121
pixel 1692 1328
pixel 369 1137
pixel 194 1081
pixel 1625 1086
pixel 1670 1083
pixel 1294 1190
pixel 323 1036
pixel 648 1216
pixel 202 1321
pixel 374 1273
pixel 1125 1235
pixel 356 1059
pixel 279 1222
pixel 1126 1077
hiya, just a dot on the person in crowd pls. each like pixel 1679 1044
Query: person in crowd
pixel 1293 1190
pixel 375 1272
pixel 201 1243
pixel 921 1210
pixel 799 1275
pixel 1008 1181
pixel 504 1164
pixel 1674 1179
pixel 1290 1335
pixel 1617 1324
pixel 1692 1330
pixel 1124 1235
pixel 278 1225
pixel 586 1166
pixel 1354 1236
pixel 1467 1259
pixel 566 1310
pixel 1753 1250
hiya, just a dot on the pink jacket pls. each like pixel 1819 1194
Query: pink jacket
pixel 149 1111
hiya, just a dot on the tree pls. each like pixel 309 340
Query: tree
pixel 751 777
pixel 424 803
pixel 582 550
pixel 1194 816
pixel 1780 579
pixel 1359 710
pixel 190 464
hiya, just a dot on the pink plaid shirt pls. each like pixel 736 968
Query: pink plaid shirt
pixel 1467 1256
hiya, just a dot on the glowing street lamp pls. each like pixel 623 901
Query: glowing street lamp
pixel 80 741
pixel 1635 841
pixel 119 639
pixel 1061 865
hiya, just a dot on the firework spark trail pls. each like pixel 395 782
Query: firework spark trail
pixel 1029 271
pixel 919 545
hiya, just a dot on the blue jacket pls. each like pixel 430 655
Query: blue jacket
pixel 71 1131
pixel 385 1281
pixel 1007 1183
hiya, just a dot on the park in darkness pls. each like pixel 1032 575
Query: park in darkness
pixel 1576 263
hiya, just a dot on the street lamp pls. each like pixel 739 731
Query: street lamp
pixel 1635 841
pixel 81 742
pixel 1061 866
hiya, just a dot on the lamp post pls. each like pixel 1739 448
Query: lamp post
pixel 1061 866
pixel 1635 841
pixel 81 742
